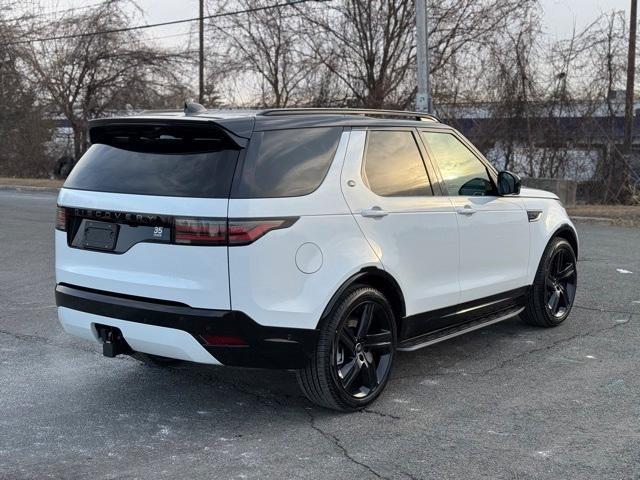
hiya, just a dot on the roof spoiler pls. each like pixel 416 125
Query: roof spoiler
pixel 96 127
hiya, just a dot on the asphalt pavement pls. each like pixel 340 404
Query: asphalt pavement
pixel 509 401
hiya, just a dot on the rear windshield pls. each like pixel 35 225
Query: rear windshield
pixel 286 163
pixel 175 161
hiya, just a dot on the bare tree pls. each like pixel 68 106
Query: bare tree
pixel 23 129
pixel 370 46
pixel 608 45
pixel 511 86
pixel 266 43
pixel 89 75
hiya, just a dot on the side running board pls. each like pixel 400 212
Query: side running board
pixel 446 333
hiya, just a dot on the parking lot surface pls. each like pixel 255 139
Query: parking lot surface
pixel 510 401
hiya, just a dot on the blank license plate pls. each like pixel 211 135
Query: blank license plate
pixel 100 235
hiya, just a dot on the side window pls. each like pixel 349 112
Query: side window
pixel 393 166
pixel 462 172
pixel 286 163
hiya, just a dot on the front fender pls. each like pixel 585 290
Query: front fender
pixel 554 221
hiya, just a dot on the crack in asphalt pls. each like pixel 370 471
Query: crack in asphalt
pixel 604 310
pixel 273 403
pixel 508 361
pixel 336 442
pixel 46 341
pixel 345 453
pixel 26 337
pixel 552 345
pixel 381 414
pixel 266 400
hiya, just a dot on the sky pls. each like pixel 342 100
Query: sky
pixel 559 16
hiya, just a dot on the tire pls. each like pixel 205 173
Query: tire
pixel 155 360
pixel 551 287
pixel 353 357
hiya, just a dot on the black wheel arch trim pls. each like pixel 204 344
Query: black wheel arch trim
pixel 370 272
pixel 569 233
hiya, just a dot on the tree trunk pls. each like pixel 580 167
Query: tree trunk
pixel 80 138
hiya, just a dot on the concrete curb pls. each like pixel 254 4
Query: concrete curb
pixel 592 219
pixel 612 222
pixel 29 188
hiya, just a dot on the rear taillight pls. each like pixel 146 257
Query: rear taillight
pixel 61 219
pixel 244 232
pixel 203 231
pixel 200 231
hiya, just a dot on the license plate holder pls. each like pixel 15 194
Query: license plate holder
pixel 99 235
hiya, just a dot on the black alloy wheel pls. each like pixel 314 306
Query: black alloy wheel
pixel 363 349
pixel 554 288
pixel 354 355
pixel 560 283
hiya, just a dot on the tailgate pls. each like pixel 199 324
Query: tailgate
pixel 194 275
pixel 145 212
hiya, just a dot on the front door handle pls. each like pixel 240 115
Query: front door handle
pixel 374 212
pixel 466 210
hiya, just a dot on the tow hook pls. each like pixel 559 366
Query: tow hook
pixel 113 343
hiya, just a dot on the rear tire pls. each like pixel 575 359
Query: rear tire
pixel 155 360
pixel 554 288
pixel 355 351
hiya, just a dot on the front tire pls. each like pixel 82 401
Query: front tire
pixel 355 351
pixel 554 287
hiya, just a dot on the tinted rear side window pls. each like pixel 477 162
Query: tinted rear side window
pixel 393 165
pixel 154 160
pixel 286 163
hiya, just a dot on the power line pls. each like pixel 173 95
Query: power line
pixel 173 35
pixel 161 24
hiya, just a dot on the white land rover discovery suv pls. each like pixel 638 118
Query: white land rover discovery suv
pixel 309 239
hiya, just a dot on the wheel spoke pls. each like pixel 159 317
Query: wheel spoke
pixel 348 340
pixel 559 262
pixel 553 302
pixel 549 282
pixel 566 273
pixel 363 349
pixel 349 373
pixel 370 375
pixel 365 320
pixel 378 341
pixel 563 300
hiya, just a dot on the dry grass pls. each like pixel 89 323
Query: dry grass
pixel 624 215
pixel 30 182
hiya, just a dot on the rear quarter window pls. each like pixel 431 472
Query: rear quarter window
pixel 286 163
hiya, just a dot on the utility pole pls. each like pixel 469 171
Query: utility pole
pixel 201 62
pixel 423 97
pixel 631 73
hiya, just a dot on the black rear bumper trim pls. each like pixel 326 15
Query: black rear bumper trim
pixel 267 347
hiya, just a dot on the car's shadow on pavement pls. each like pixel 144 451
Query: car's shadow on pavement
pixel 199 390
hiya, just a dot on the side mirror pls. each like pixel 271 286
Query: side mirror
pixel 508 183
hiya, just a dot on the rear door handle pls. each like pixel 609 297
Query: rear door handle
pixel 466 210
pixel 374 212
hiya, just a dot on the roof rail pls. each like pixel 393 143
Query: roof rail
pixel 350 111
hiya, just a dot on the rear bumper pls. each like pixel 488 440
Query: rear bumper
pixel 176 331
